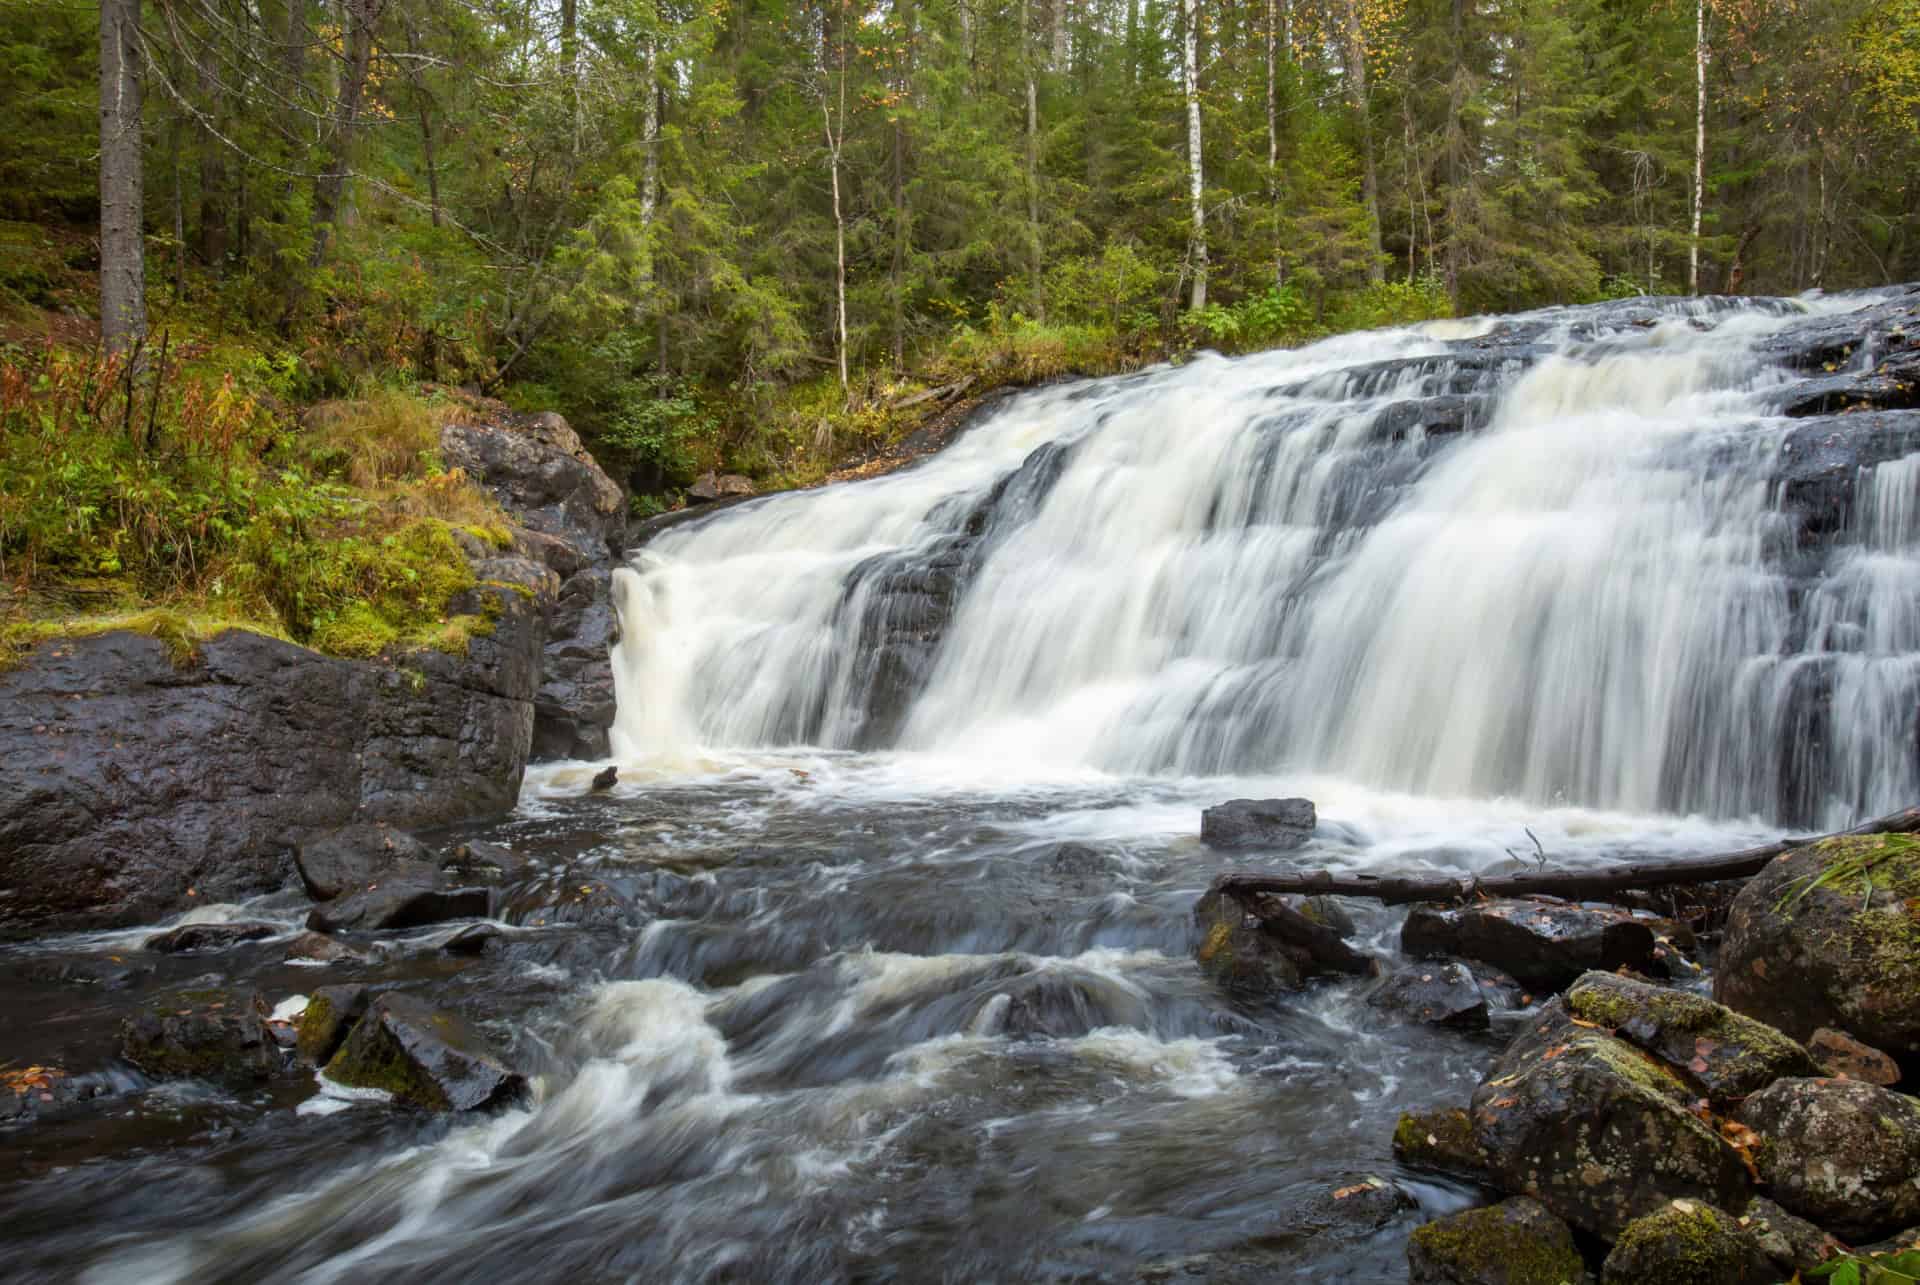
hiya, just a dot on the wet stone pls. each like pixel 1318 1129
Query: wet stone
pixel 204 1035
pixel 1440 1140
pixel 1840 1153
pixel 1687 1243
pixel 320 948
pixel 354 856
pixel 1516 1242
pixel 479 862
pixel 1438 994
pixel 409 897
pixel 330 1014
pixel 1543 943
pixel 1270 824
pixel 191 938
pixel 424 1057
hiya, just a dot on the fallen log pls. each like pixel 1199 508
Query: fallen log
pixel 1574 885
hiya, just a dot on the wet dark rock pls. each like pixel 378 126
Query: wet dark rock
pixel 1726 1054
pixel 321 948
pixel 1791 1243
pixel 1823 937
pixel 471 940
pixel 133 782
pixel 1838 1053
pixel 578 897
pixel 425 1057
pixel 104 972
pixel 1595 1129
pixel 189 938
pixel 218 1036
pixel 409 896
pixel 721 486
pixel 1257 947
pixel 537 468
pixel 1516 1242
pixel 330 1014
pixel 1543 943
pixel 1079 861
pixel 1269 824
pixel 1359 1203
pixel 480 862
pixel 1442 1140
pixel 1328 912
pixel 605 778
pixel 1688 1242
pixel 1439 994
pixel 575 707
pixel 352 857
pixel 1841 1153
pixel 1822 462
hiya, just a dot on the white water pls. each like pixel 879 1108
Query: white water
pixel 1237 573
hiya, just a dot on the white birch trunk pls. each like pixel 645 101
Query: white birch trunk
pixel 1196 179
pixel 1699 141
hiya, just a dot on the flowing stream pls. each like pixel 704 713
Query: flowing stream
pixel 911 771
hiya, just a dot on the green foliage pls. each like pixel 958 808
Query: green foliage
pixel 1899 1267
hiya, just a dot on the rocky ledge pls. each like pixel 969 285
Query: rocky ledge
pixel 140 784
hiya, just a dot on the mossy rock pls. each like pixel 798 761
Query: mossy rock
pixel 1829 935
pixel 1441 1140
pixel 1237 955
pixel 423 1057
pixel 1516 1242
pixel 1728 1055
pixel 203 1035
pixel 1597 1130
pixel 330 1014
pixel 1687 1243
pixel 1840 1153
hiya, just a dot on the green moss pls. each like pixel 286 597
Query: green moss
pixel 1683 1244
pixel 370 1059
pixel 1485 1244
pixel 499 537
pixel 181 632
pixel 1856 865
pixel 1640 1069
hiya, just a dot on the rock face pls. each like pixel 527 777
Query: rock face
pixel 424 1057
pixel 1541 942
pixel 1727 1055
pixel 1824 936
pixel 575 520
pixel 1272 824
pixel 131 780
pixel 1596 1130
pixel 1840 1153
pixel 1688 1241
pixel 1516 1242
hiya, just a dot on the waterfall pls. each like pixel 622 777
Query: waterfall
pixel 1546 557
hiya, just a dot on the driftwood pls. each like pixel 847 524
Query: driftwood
pixel 1597 883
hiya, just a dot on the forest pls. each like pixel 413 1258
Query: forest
pixel 769 237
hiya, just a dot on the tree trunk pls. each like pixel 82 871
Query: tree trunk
pixel 1033 161
pixel 1699 141
pixel 570 62
pixel 650 156
pixel 214 214
pixel 1369 176
pixel 834 141
pixel 1598 882
pixel 1273 142
pixel 1057 57
pixel 1196 179
pixel 426 122
pixel 330 189
pixel 966 34
pixel 901 233
pixel 1455 144
pixel 123 270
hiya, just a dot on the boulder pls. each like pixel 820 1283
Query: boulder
pixel 1329 912
pixel 1516 1242
pixel 537 468
pixel 1254 948
pixel 203 1035
pixel 472 940
pixel 1841 1153
pixel 319 948
pixel 479 862
pixel 1355 1203
pixel 137 787
pixel 1727 1055
pixel 1838 1053
pixel 1791 1243
pixel 1438 994
pixel 194 938
pixel 1440 1140
pixel 330 1014
pixel 1826 936
pixel 1270 824
pixel 576 896
pixel 1543 943
pixel 1687 1243
pixel 1598 1131
pixel 409 896
pixel 721 486
pixel 424 1057
pixel 351 857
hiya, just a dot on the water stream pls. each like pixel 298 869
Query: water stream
pixel 910 779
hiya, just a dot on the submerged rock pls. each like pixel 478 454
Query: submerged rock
pixel 321 949
pixel 192 938
pixel 1841 1153
pixel 340 861
pixel 410 896
pixel 1541 942
pixel 424 1057
pixel 1516 1242
pixel 1258 823
pixel 1727 1054
pixel 1442 1140
pixel 487 862
pixel 1826 936
pixel 203 1035
pixel 1687 1243
pixel 1598 1131
pixel 1439 994
pixel 606 778
pixel 1256 947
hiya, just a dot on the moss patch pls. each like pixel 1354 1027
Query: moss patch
pixel 181 632
pixel 1686 1243
pixel 1487 1244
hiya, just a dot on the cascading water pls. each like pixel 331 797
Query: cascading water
pixel 875 965
pixel 1299 562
